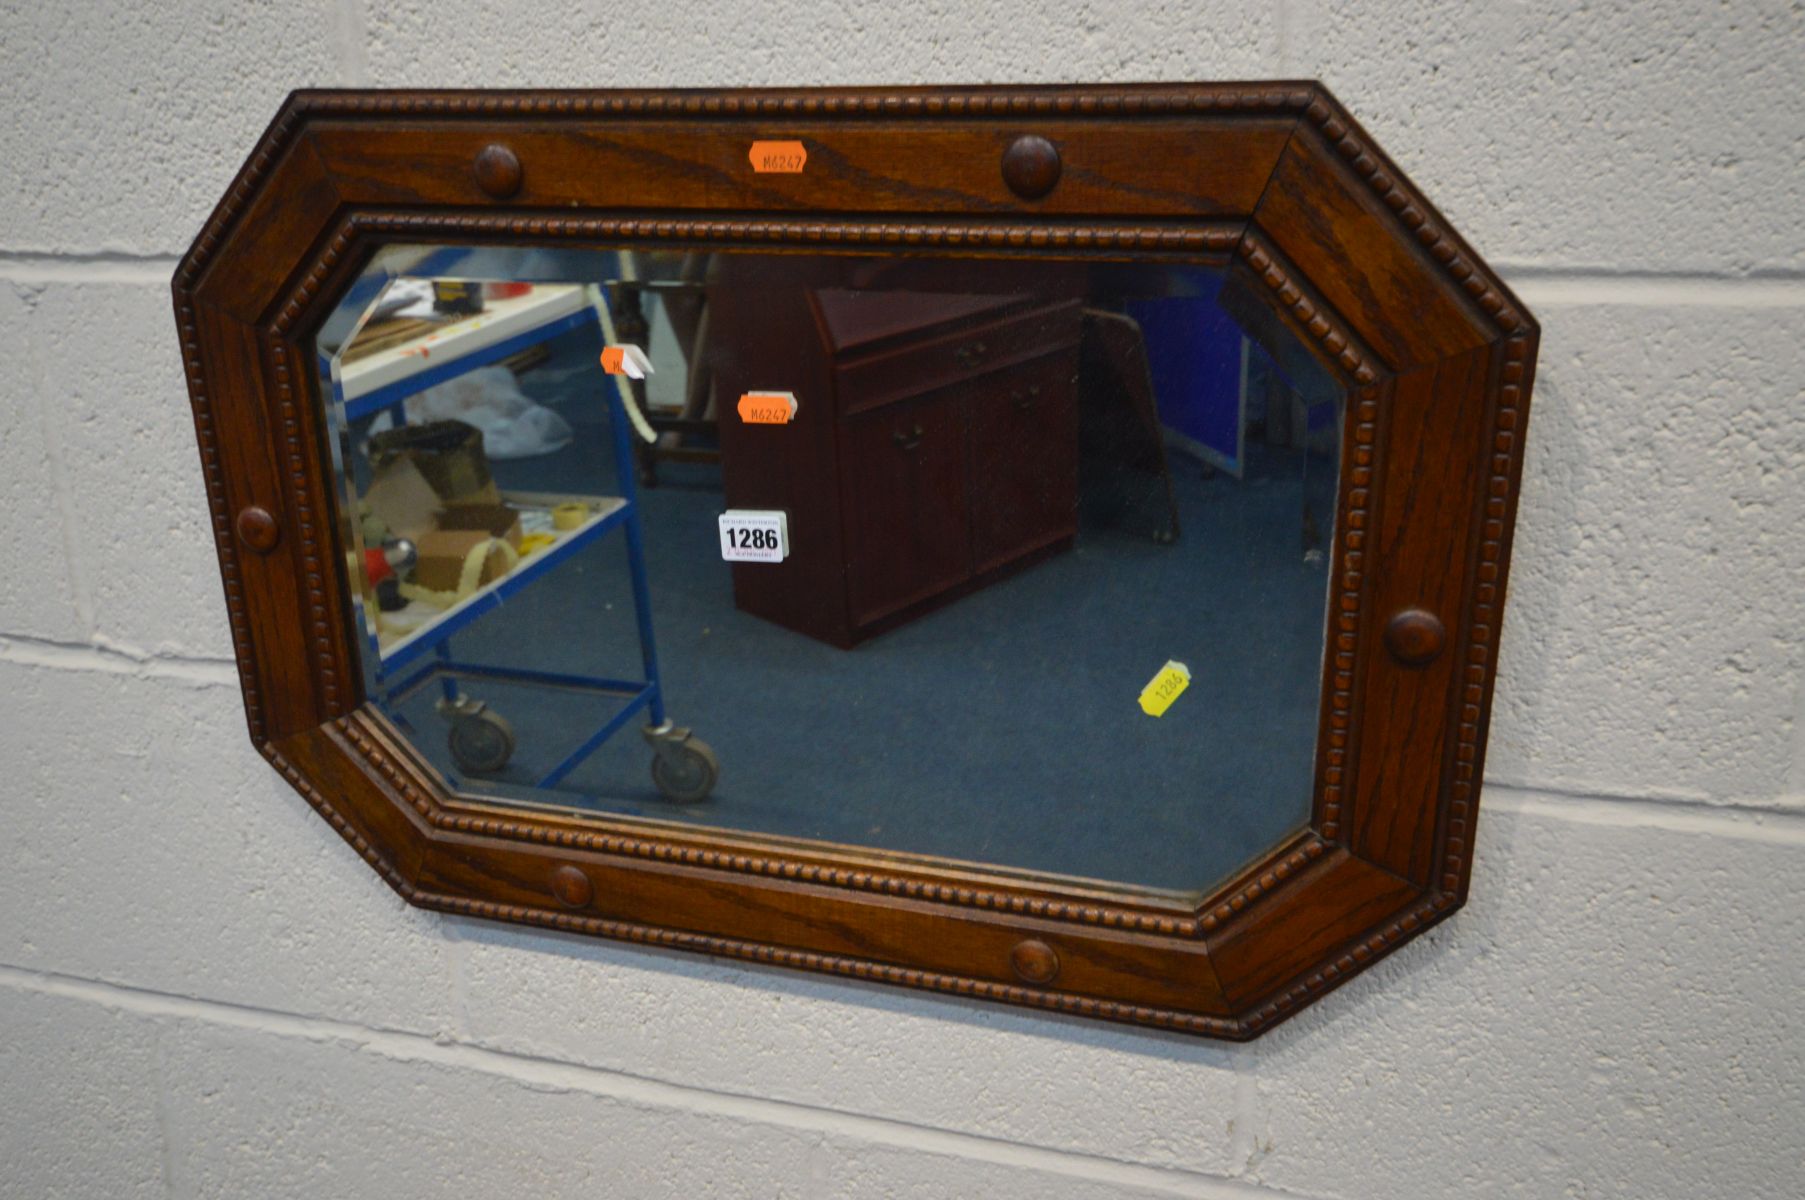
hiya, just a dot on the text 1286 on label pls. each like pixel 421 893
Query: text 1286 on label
pixel 754 535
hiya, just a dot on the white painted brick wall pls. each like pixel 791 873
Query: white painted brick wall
pixel 204 993
pixel 126 121
pixel 1654 642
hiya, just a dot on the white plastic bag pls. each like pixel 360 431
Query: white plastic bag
pixel 490 399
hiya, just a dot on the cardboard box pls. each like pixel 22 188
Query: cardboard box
pixel 443 553
pixel 496 520
pixel 448 453
pixel 402 499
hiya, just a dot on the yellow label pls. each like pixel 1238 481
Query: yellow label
pixel 1164 688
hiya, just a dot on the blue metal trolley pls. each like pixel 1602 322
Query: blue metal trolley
pixel 481 741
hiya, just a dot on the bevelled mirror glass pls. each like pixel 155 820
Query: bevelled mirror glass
pixel 1018 563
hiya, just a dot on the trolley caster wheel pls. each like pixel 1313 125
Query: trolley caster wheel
pixel 481 740
pixel 684 768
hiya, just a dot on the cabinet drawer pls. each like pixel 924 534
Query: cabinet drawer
pixel 907 522
pixel 954 358
pixel 1024 458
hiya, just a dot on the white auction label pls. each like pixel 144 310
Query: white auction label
pixel 755 535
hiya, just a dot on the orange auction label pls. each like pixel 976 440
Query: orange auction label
pixel 628 360
pixel 778 158
pixel 767 408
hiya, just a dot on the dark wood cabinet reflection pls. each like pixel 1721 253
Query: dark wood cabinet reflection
pixel 905 505
pixel 935 448
pixel 1024 457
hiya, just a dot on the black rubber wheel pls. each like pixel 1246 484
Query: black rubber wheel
pixel 685 772
pixel 481 742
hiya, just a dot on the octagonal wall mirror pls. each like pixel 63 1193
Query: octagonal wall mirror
pixel 1039 545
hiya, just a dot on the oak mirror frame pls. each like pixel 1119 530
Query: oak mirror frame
pixel 1323 249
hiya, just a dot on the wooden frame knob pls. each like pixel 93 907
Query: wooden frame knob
pixel 1031 166
pixel 257 529
pixel 1033 961
pixel 1415 637
pixel 572 887
pixel 498 171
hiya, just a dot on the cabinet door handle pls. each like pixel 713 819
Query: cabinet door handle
pixel 971 354
pixel 907 439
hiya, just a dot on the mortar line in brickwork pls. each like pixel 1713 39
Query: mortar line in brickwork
pixel 1795 776
pixel 1536 284
pixel 116 659
pixel 1282 17
pixel 350 42
pixel 1780 823
pixel 166 1151
pixel 1655 289
pixel 1250 1133
pixel 427 1050
pixel 99 266
pixel 62 498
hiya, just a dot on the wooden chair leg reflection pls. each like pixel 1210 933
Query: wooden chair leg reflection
pixel 1116 383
